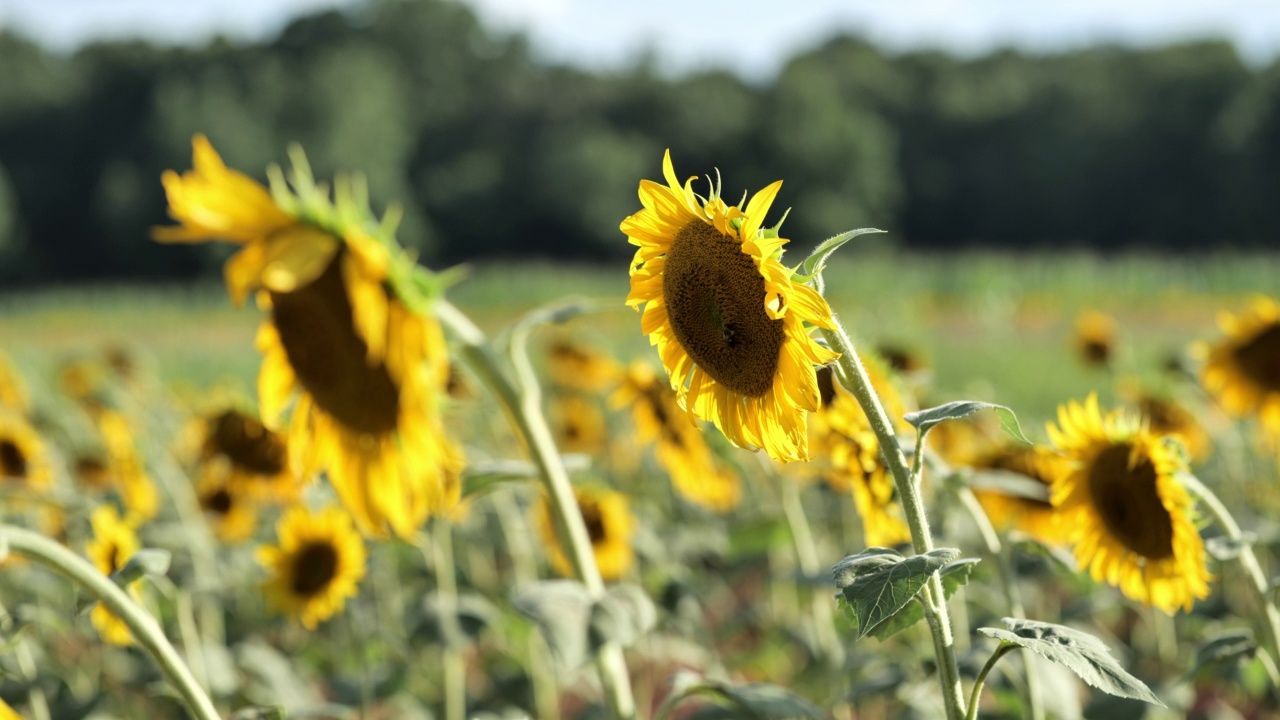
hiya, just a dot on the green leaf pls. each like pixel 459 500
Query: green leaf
pixel 1080 652
pixel 623 616
pixel 1224 548
pixel 753 701
pixel 817 260
pixel 1229 646
pixel 924 420
pixel 954 576
pixel 561 609
pixel 878 582
pixel 1009 483
pixel 260 713
pixel 485 475
pixel 148 562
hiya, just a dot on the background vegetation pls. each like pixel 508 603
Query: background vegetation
pixel 498 155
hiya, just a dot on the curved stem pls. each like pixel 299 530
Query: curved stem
pixel 1248 560
pixel 981 680
pixel 146 631
pixel 853 376
pixel 523 405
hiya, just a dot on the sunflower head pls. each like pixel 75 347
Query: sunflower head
pixel 229 508
pixel 23 460
pixel 253 458
pixel 13 391
pixel 1166 416
pixel 114 542
pixel 1131 519
pixel 579 367
pixel 1035 517
pixel 580 424
pixel 729 321
pixel 1243 368
pixel 126 466
pixel 318 564
pixel 609 526
pixel 1095 338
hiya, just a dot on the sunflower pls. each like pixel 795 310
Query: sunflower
pixel 13 392
pixel 679 445
pixel 579 367
pixel 1130 518
pixel 229 508
pixel 8 713
pixel 318 564
pixel 247 457
pixel 1165 416
pixel 367 371
pixel 1243 369
pixel 126 468
pixel 1037 518
pixel 114 542
pixel 609 525
pixel 725 314
pixel 579 423
pixel 23 461
pixel 854 465
pixel 1095 338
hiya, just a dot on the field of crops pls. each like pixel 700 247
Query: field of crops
pixel 382 504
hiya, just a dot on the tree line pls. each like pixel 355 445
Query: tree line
pixel 494 153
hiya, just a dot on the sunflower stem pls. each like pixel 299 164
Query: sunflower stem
pixel 853 376
pixel 455 671
pixel 1248 560
pixel 146 631
pixel 981 680
pixel 523 405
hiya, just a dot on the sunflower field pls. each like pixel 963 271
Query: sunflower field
pixel 725 482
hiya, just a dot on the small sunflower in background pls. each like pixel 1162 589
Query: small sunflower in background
pixel 126 467
pixel 1242 369
pixel 1166 416
pixel 578 367
pixel 84 381
pixel 23 458
pixel 1036 517
pixel 1131 519
pixel 317 565
pixel 13 391
pixel 609 526
pixel 350 340
pixel 679 444
pixel 114 542
pixel 229 507
pixel 845 440
pixel 239 452
pixel 580 424
pixel 1095 338
pixel 729 323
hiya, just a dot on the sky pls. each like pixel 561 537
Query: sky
pixel 753 37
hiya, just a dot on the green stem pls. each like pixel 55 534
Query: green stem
pixel 981 680
pixel 146 631
pixel 1248 560
pixel 1013 596
pixel 853 376
pixel 807 555
pixel 455 670
pixel 524 407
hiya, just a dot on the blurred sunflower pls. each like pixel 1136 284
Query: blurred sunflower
pixel 725 314
pixel 845 440
pixel 125 466
pixel 679 445
pixel 114 542
pixel 1165 416
pixel 23 460
pixel 579 367
pixel 367 370
pixel 1130 518
pixel 7 713
pixel 84 381
pixel 247 457
pixel 609 525
pixel 229 508
pixel 13 391
pixel 580 425
pixel 1035 517
pixel 1095 338
pixel 1243 369
pixel 318 564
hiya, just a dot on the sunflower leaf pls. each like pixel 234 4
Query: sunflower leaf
pixel 877 583
pixel 561 609
pixel 817 260
pixel 149 562
pixel 1225 548
pixel 1080 652
pixel 757 701
pixel 954 576
pixel 623 616
pixel 1229 646
pixel 924 420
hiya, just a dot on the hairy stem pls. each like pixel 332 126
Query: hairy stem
pixel 981 680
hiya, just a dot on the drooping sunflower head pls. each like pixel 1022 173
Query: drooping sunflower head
pixel 609 526
pixel 1243 368
pixel 726 316
pixel 252 458
pixel 1131 518
pixel 318 564
pixel 578 367
pixel 114 542
pixel 23 459
pixel 1034 516
pixel 1095 338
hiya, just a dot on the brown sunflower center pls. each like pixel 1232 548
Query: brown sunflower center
pixel 330 358
pixel 218 502
pixel 1128 501
pixel 114 561
pixel 92 471
pixel 715 300
pixel 13 463
pixel 1260 358
pixel 314 567
pixel 826 385
pixel 247 443
pixel 1096 352
pixel 594 520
